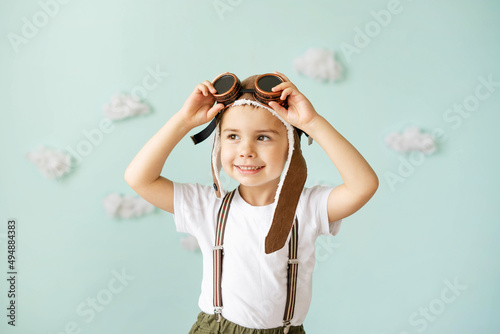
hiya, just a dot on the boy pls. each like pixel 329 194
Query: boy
pixel 256 144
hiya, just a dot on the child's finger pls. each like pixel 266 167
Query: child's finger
pixel 279 109
pixel 210 87
pixel 281 86
pixel 286 92
pixel 212 112
pixel 202 88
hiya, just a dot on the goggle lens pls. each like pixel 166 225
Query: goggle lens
pixel 267 82
pixel 224 84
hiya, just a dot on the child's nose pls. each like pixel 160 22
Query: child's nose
pixel 246 150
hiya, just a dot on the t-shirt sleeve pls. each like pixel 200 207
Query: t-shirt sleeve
pixel 193 203
pixel 316 207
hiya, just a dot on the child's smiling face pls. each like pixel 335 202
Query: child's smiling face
pixel 254 146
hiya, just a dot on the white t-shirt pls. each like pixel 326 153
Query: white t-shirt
pixel 253 282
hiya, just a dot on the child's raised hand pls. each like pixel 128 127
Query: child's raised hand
pixel 300 111
pixel 199 108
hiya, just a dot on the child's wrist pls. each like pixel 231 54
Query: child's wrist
pixel 183 122
pixel 313 124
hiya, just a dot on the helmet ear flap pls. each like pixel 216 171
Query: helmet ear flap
pixel 216 185
pixel 288 198
pixel 216 163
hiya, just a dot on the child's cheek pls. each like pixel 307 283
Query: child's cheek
pixel 226 157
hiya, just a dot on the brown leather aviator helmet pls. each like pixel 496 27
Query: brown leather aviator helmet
pixel 294 174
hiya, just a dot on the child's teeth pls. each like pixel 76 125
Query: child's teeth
pixel 249 168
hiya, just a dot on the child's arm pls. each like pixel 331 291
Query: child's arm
pixel 360 181
pixel 143 173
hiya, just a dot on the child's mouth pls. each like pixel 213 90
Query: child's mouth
pixel 249 169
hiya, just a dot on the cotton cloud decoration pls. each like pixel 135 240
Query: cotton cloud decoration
pixel 124 105
pixel 190 243
pixel 52 163
pixel 318 64
pixel 127 206
pixel 411 140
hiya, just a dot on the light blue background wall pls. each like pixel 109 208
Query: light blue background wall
pixel 388 270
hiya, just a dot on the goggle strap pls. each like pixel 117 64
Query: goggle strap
pixel 247 90
pixel 205 133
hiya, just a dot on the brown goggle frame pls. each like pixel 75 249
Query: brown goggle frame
pixel 229 89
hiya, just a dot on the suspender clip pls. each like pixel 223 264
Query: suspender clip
pixel 221 248
pixel 293 261
pixel 217 312
pixel 286 325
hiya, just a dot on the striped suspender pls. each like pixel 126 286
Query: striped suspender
pixel 218 252
pixel 293 264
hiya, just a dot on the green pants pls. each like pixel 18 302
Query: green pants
pixel 207 324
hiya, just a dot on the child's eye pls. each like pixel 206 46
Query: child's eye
pixel 232 136
pixel 263 138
